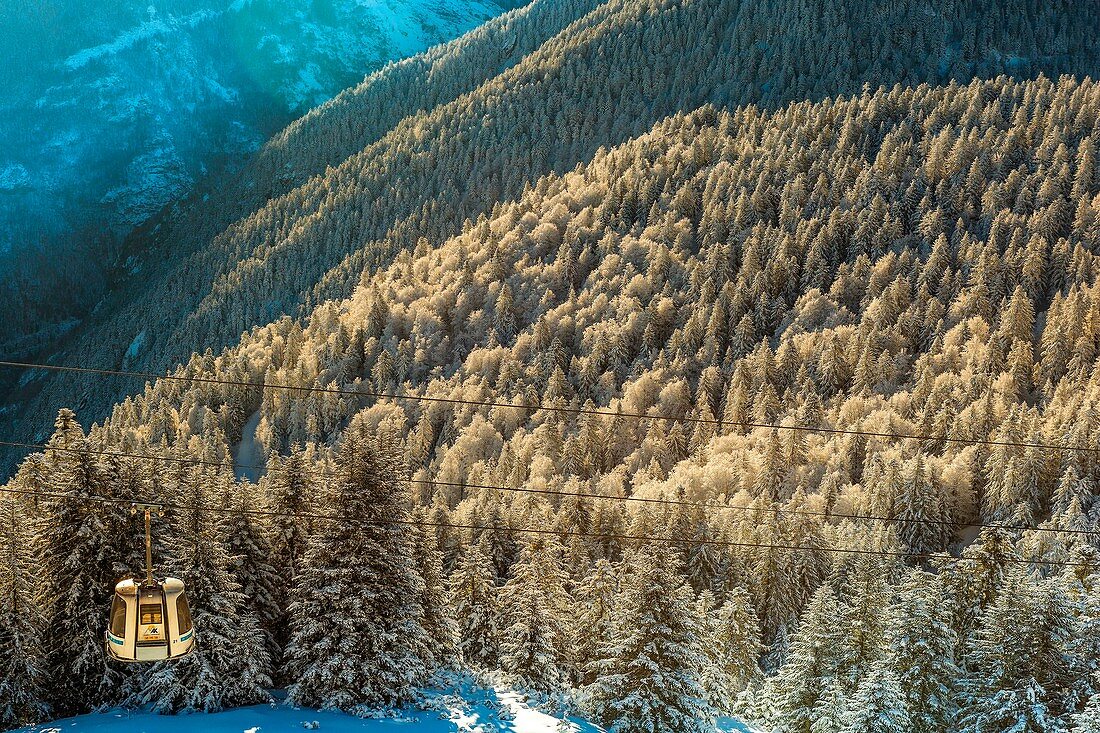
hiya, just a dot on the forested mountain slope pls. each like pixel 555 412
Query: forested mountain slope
pixel 478 129
pixel 917 261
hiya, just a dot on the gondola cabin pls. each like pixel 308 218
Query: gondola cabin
pixel 150 621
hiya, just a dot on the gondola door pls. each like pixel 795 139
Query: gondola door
pixel 152 621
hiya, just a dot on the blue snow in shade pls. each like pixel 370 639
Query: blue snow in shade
pixel 469 710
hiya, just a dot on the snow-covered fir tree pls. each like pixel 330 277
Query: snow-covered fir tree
pixel 534 639
pixel 439 617
pixel 369 650
pixel 1088 719
pixel 246 541
pixel 878 706
pixel 1081 585
pixel 791 695
pixel 651 677
pixel 289 488
pixel 475 599
pixel 594 619
pixel 78 572
pixel 863 594
pixel 22 625
pixel 1017 662
pixel 975 582
pixel 920 651
pixel 733 646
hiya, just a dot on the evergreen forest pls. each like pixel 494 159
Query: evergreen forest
pixel 694 364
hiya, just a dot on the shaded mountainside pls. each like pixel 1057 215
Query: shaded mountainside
pixel 913 261
pixel 423 146
pixel 115 110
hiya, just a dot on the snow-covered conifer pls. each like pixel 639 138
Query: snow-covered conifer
pixel 474 598
pixel 250 565
pixel 651 679
pixel 878 706
pixel 535 641
pixel 22 663
pixel 812 658
pixel 830 714
pixel 78 574
pixel 863 595
pixel 367 650
pixel 230 664
pixel 289 489
pixel 1016 660
pixel 920 651
pixel 737 645
pixel 1088 719
pixel 594 619
pixel 439 619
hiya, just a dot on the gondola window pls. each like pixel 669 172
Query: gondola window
pixel 118 617
pixel 151 615
pixel 183 612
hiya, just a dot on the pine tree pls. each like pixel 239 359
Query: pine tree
pixel 831 713
pixel 973 583
pixel 1082 590
pixel 812 658
pixel 474 597
pixel 877 706
pixel 919 505
pixel 733 647
pixel 863 595
pixel 78 573
pixel 289 490
pixel 534 646
pixel 651 678
pixel 704 566
pixel 1017 660
pixel 920 645
pixel 594 625
pixel 439 619
pixel 249 564
pixel 1088 719
pixel 22 666
pixel 368 650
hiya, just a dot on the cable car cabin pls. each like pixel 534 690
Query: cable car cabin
pixel 150 621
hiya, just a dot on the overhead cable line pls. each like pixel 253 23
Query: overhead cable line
pixel 533 530
pixel 553 408
pixel 561 493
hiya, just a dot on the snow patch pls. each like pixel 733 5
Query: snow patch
pixel 134 350
pixel 14 176
pixel 248 454
pixel 732 725
pixel 469 709
pixel 527 719
pixel 132 37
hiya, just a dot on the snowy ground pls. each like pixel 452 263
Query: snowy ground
pixel 249 453
pixel 500 710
